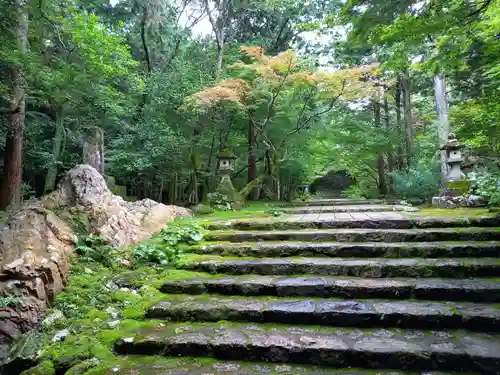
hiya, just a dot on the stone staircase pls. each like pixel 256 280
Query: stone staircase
pixel 379 291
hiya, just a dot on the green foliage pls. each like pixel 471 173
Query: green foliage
pixel 168 250
pixel 44 368
pixel 219 201
pixel 11 300
pixel 354 191
pixel 95 249
pixel 155 254
pixel 420 182
pixel 487 185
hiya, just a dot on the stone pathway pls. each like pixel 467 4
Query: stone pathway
pixel 351 287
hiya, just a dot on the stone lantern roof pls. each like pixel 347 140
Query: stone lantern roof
pixel 452 143
pixel 226 155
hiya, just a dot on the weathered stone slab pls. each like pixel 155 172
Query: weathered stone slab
pixel 185 366
pixel 365 250
pixel 475 290
pixel 339 208
pixel 327 346
pixel 359 313
pixel 375 267
pixel 360 235
pixel 382 220
pixel 339 202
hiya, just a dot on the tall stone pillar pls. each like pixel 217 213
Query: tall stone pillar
pixel 93 149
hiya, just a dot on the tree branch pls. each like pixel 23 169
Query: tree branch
pixel 143 38
pixel 303 125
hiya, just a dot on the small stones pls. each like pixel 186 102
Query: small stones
pixel 383 333
pixel 53 318
pixel 114 324
pixel 60 335
pixel 413 335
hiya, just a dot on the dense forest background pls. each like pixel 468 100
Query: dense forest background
pixel 293 88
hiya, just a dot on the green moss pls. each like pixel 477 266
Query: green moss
pixel 460 187
pixel 119 190
pixel 83 367
pixel 450 212
pixel 44 368
pixel 80 222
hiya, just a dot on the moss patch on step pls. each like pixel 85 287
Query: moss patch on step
pixel 450 212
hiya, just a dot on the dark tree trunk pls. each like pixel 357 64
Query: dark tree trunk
pixel 399 127
pixel 391 162
pixel 252 162
pixel 13 160
pixel 406 89
pixel 382 186
pixel 57 145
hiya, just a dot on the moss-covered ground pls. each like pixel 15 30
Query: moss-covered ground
pixel 103 303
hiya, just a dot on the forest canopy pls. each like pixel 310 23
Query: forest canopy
pixel 295 89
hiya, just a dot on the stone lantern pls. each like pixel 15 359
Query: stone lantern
pixel 226 160
pixel 454 158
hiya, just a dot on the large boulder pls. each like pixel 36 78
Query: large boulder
pixel 37 241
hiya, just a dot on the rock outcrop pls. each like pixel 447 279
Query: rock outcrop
pixel 37 241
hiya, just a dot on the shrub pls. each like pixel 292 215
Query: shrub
pixel 487 185
pixel 353 191
pixel 420 182
pixel 169 250
pixel 203 209
pixel 155 254
pixel 94 249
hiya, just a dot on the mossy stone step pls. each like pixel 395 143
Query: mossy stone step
pixel 475 290
pixel 360 235
pixel 340 208
pixel 339 202
pixel 185 366
pixel 324 346
pixel 355 313
pixel 332 221
pixel 375 267
pixel 343 249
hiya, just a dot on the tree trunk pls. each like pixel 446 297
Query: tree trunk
pixel 220 55
pixel 382 185
pixel 444 125
pixel 93 149
pixel 252 162
pixel 390 149
pixel 13 159
pixel 50 179
pixel 399 127
pixel 406 89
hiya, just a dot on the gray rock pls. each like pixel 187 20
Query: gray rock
pixel 113 324
pixel 60 335
pixel 476 201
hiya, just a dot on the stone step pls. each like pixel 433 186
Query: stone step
pixel 359 235
pixel 324 346
pixel 353 249
pixel 340 208
pixel 340 202
pixel 475 290
pixel 204 366
pixel 369 220
pixel 340 313
pixel 375 267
